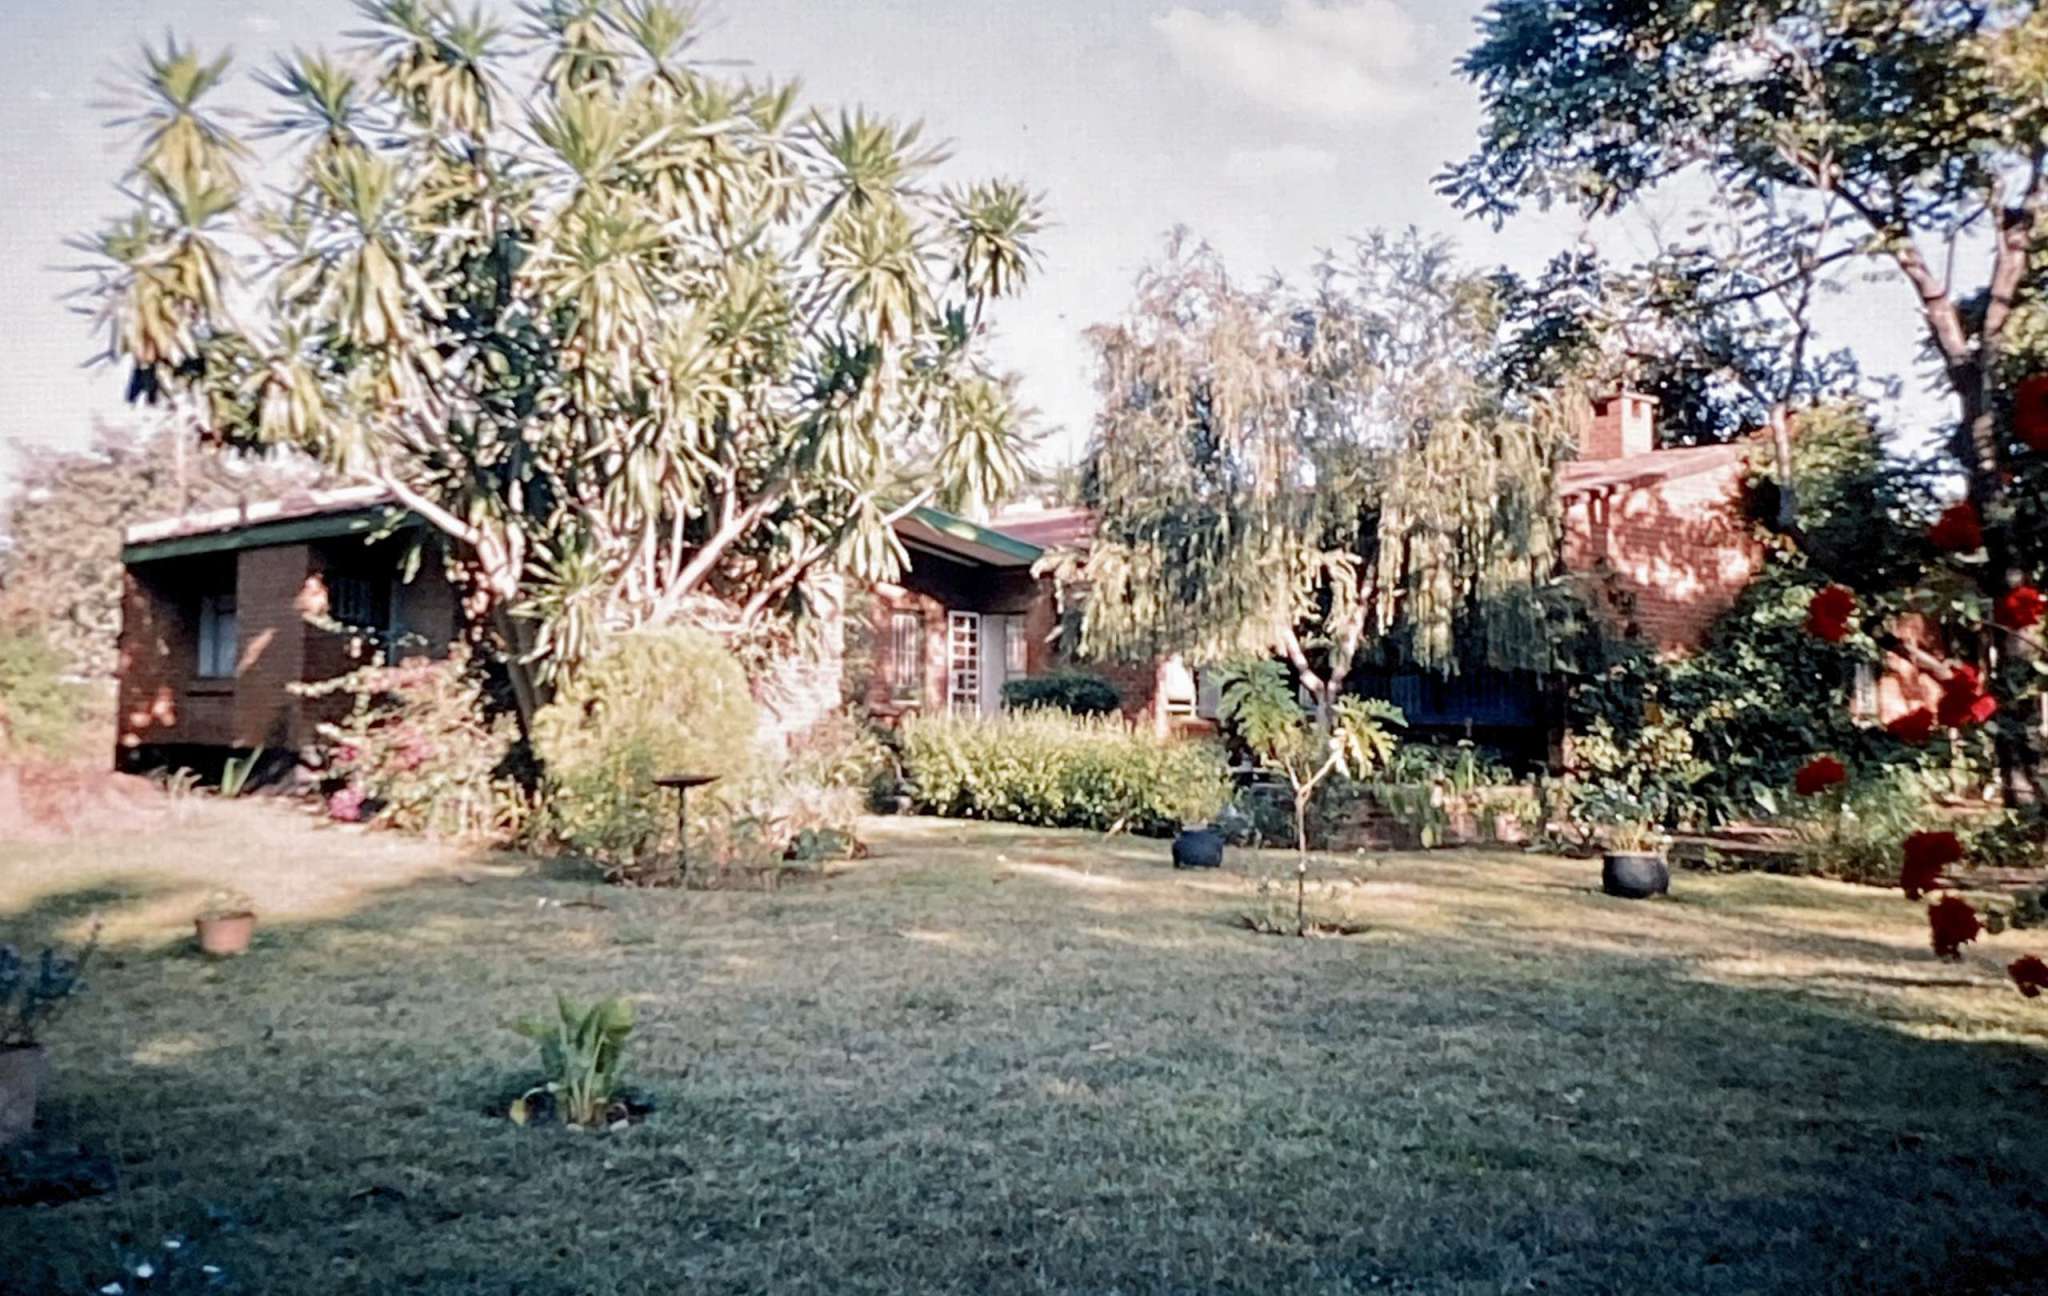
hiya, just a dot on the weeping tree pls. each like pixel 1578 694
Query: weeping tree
pixel 639 341
pixel 1319 475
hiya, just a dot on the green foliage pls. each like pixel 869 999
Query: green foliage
pixel 1260 706
pixel 236 771
pixel 1858 836
pixel 1461 766
pixel 39 710
pixel 650 703
pixel 1718 735
pixel 1060 771
pixel 1075 692
pixel 842 751
pixel 424 750
pixel 581 1054
pixel 34 992
pixel 630 333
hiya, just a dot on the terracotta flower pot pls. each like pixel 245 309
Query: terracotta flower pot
pixel 1634 875
pixel 226 935
pixel 22 1071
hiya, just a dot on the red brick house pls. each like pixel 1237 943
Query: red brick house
pixel 215 609
pixel 223 611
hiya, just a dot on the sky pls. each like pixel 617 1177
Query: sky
pixel 1271 128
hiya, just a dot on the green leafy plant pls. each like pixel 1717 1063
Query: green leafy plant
pixel 1075 692
pixel 236 772
pixel 34 992
pixel 581 1053
pixel 1057 770
pixel 1259 702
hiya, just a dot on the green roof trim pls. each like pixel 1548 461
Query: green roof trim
pixel 974 533
pixel 324 526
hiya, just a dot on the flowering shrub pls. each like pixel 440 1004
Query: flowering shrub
pixel 422 750
pixel 1061 771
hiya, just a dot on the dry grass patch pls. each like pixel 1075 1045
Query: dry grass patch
pixel 1003 1060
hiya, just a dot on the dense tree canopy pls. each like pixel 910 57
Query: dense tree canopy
pixel 630 334
pixel 1319 474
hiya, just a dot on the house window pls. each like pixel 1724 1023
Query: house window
pixel 1016 654
pixel 350 602
pixel 963 655
pixel 218 643
pixel 906 655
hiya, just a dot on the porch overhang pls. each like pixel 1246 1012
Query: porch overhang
pixel 319 515
pixel 941 533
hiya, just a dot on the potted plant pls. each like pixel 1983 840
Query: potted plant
pixel 31 995
pixel 226 924
pixel 1633 866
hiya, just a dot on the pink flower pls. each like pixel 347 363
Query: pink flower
pixel 345 805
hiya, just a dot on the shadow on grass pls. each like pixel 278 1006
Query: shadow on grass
pixel 847 1106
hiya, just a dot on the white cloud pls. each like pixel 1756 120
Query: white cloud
pixel 1344 61
pixel 1282 162
pixel 262 24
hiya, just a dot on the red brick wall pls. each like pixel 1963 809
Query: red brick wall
pixel 158 698
pixel 275 588
pixel 1664 558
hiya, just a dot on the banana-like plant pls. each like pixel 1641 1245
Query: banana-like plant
pixel 581 1048
pixel 628 333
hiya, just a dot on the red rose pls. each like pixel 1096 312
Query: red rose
pixel 1817 775
pixel 2021 608
pixel 2030 412
pixel 1963 699
pixel 1959 529
pixel 1927 853
pixel 2029 973
pixel 1913 728
pixel 1827 615
pixel 1952 924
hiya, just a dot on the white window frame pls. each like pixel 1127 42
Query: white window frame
pixel 219 638
pixel 963 663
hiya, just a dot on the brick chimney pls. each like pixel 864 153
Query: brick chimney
pixel 1624 423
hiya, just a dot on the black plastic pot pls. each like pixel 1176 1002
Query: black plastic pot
pixel 1634 875
pixel 1198 848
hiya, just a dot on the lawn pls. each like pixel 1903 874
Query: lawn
pixel 1007 1060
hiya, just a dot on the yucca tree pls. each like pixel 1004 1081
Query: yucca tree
pixel 638 340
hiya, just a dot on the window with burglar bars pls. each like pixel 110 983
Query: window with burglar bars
pixel 906 655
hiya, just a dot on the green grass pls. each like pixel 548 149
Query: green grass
pixel 1006 1060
